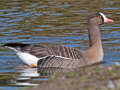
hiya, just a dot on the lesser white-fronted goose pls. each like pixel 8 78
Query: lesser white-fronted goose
pixel 61 56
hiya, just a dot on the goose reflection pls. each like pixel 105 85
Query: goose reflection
pixel 36 76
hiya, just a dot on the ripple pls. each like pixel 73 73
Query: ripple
pixel 56 14
pixel 60 6
pixel 44 25
pixel 110 8
pixel 9 10
pixel 65 28
pixel 42 6
pixel 33 5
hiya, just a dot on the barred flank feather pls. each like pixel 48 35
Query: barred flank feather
pixel 61 62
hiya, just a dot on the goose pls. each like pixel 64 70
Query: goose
pixel 62 56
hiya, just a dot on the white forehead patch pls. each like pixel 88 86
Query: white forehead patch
pixel 104 17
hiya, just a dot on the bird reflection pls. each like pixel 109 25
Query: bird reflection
pixel 36 76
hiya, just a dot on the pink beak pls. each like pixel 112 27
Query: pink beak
pixel 108 20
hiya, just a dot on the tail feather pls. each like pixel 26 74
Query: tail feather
pixel 16 46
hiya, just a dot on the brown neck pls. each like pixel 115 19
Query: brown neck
pixel 95 51
pixel 94 34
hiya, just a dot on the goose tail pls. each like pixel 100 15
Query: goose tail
pixel 17 47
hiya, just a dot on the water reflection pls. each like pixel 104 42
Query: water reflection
pixel 23 79
pixel 35 76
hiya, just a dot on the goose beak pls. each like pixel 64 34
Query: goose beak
pixel 108 20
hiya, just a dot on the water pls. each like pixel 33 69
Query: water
pixel 51 22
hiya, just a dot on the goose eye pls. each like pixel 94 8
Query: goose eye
pixel 99 16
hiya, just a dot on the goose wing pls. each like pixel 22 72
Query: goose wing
pixel 59 56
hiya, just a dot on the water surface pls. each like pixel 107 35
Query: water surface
pixel 51 22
